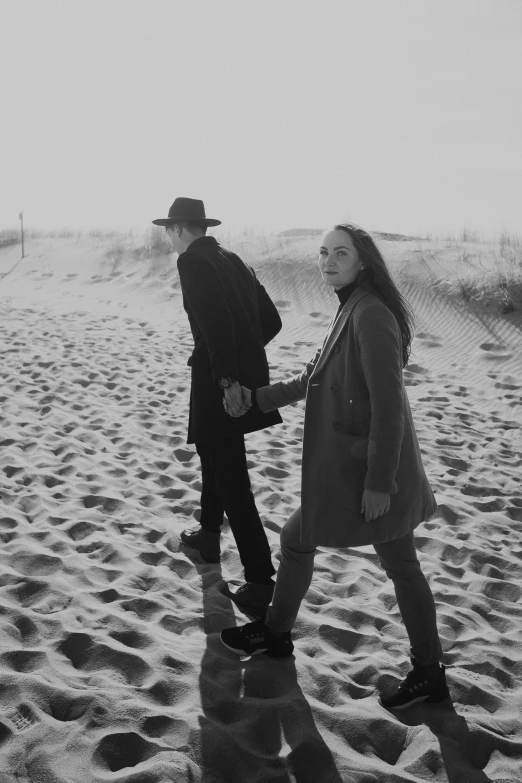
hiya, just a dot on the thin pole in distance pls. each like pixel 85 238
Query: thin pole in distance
pixel 21 216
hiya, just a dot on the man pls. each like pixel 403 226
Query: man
pixel 232 318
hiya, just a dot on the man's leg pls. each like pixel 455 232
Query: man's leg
pixel 294 576
pixel 211 506
pixel 414 597
pixel 206 538
pixel 228 460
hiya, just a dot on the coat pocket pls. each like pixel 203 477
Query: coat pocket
pixel 351 460
pixel 359 416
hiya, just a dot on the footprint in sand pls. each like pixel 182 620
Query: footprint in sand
pixel 481 491
pixel 24 660
pixel 416 368
pixel 153 536
pixel 494 352
pixel 429 340
pixel 19 719
pixel 454 462
pixel 52 603
pixel 87 655
pixel 81 530
pixel 514 512
pixel 143 607
pixel 184 455
pixel 159 725
pixel 118 751
pixel 152 558
pixel 274 472
pixel 65 709
pixel 109 505
pixel 131 638
pixel 507 382
pixel 37 565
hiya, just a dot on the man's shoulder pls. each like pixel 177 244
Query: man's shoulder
pixel 216 260
pixel 210 250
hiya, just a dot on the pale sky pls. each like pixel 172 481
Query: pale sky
pixel 400 115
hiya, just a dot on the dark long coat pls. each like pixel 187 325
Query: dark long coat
pixel 358 430
pixel 232 318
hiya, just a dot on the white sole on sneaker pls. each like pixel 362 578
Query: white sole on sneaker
pixel 416 700
pixel 242 652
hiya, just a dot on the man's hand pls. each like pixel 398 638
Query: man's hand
pixel 247 396
pixel 374 504
pixel 234 401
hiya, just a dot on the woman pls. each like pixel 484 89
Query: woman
pixel 362 476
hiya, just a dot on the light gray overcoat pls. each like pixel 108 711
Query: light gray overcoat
pixel 358 430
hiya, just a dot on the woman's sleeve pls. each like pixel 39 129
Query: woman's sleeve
pixel 380 346
pixel 277 395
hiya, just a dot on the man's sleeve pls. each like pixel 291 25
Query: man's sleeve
pixel 205 296
pixel 271 323
pixel 381 360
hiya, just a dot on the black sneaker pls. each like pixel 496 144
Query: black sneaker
pixel 418 685
pixel 252 597
pixel 205 542
pixel 256 638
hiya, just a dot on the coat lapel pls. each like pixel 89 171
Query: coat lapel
pixel 337 325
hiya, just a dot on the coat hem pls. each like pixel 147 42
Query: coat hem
pixel 384 539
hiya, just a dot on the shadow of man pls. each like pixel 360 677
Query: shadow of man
pixel 256 726
pixel 465 751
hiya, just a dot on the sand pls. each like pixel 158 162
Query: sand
pixel 111 667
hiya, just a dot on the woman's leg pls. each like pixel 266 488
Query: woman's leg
pixel 414 597
pixel 293 577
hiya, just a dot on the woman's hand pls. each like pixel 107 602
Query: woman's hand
pixel 374 504
pixel 237 400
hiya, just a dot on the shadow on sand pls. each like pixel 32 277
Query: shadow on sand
pixel 257 726
pixel 465 750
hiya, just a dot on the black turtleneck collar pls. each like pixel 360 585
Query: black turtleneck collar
pixel 345 292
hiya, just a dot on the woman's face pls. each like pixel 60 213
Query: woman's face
pixel 338 259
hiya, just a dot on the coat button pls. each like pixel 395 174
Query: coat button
pixel 334 387
pixel 336 425
pixel 336 349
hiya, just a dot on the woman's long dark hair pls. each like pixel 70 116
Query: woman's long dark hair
pixel 375 276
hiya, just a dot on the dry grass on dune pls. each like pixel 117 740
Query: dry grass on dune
pixel 485 274
pixel 482 273
pixel 9 237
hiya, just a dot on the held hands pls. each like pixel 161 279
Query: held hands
pixel 374 504
pixel 237 400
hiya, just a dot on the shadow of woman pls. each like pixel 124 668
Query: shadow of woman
pixel 465 751
pixel 256 726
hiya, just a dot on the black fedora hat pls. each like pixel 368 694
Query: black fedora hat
pixel 191 209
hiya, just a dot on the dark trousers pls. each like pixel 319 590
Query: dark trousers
pixel 226 488
pixel 398 559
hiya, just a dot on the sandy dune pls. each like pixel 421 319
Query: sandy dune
pixel 111 668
